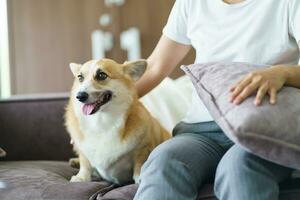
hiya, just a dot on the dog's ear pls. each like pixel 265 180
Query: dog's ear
pixel 135 69
pixel 75 68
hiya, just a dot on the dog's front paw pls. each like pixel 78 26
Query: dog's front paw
pixel 80 179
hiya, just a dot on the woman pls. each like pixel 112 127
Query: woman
pixel 253 31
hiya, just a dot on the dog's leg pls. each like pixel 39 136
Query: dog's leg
pixel 74 162
pixel 140 158
pixel 85 170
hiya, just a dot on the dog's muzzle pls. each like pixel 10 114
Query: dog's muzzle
pixel 82 96
pixel 91 108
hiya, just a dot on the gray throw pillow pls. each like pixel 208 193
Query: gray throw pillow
pixel 269 131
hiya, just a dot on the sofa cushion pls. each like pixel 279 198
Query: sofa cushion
pixel 23 180
pixel 289 190
pixel 269 131
pixel 28 180
pixel 127 193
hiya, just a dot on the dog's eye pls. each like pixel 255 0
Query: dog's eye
pixel 101 76
pixel 80 78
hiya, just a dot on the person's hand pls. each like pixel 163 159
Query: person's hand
pixel 267 81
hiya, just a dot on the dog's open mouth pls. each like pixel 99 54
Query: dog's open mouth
pixel 91 108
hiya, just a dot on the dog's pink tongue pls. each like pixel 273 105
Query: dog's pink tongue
pixel 88 108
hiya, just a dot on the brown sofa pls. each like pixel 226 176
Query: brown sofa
pixel 38 148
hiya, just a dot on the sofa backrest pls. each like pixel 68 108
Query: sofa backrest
pixel 32 128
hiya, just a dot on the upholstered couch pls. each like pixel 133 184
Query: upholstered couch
pixel 38 149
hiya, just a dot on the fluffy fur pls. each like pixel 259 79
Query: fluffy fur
pixel 117 139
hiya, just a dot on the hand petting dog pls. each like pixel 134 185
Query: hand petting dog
pixel 265 82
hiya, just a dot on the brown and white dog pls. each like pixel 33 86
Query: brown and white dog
pixel 111 130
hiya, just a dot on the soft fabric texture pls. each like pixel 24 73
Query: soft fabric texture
pixel 27 180
pixel 216 31
pixel 270 131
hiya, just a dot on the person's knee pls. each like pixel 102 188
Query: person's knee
pixel 167 169
pixel 161 157
pixel 240 173
pixel 231 169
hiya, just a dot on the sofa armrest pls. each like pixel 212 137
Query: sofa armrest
pixel 32 128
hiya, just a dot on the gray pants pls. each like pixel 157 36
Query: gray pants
pixel 201 153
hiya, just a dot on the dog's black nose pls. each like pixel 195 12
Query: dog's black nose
pixel 82 96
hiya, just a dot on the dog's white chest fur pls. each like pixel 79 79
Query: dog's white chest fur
pixel 103 146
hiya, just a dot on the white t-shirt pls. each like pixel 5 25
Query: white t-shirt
pixel 253 31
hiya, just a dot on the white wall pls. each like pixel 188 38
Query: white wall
pixel 4 51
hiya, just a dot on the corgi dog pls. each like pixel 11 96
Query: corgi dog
pixel 112 132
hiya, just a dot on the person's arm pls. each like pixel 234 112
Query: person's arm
pixel 165 57
pixel 293 74
pixel 267 81
pixel 270 81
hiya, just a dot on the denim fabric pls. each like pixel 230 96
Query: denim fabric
pixel 209 130
pixel 200 153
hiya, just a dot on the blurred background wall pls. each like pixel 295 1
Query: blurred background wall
pixel 46 35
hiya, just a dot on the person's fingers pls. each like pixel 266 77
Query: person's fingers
pixel 261 93
pixel 250 89
pixel 273 95
pixel 233 87
pixel 240 87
